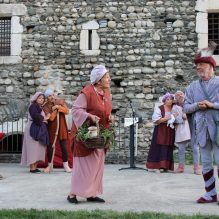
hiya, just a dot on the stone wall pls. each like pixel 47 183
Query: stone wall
pixel 147 45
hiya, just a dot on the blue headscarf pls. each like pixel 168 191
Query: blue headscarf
pixel 48 92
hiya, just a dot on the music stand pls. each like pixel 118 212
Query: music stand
pixel 132 143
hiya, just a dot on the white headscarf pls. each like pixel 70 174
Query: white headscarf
pixel 97 73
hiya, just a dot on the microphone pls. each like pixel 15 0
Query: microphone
pixel 133 111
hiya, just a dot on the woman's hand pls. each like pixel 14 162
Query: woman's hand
pixel 166 118
pixel 94 118
pixel 56 107
pixel 111 119
pixel 184 116
pixel 175 114
pixel 47 117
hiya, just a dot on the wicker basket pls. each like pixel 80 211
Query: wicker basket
pixel 97 142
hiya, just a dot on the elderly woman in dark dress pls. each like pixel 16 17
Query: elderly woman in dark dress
pixel 35 140
pixel 160 156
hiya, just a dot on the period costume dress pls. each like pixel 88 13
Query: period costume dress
pixel 182 138
pixel 32 150
pixel 160 154
pixel 182 135
pixel 88 164
pixel 62 129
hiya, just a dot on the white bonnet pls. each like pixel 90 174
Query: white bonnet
pixel 97 73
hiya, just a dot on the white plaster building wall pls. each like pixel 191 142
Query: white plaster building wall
pixel 203 7
pixel 14 11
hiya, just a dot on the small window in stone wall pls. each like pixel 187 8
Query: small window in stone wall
pixel 213 29
pixel 11 31
pixel 89 39
pixel 207 24
pixel 5 36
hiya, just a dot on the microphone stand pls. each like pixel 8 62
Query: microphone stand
pixel 132 143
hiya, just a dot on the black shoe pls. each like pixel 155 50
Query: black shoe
pixel 35 171
pixel 72 199
pixel 95 199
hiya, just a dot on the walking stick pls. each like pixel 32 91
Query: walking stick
pixel 54 144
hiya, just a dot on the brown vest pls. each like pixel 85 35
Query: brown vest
pixel 165 135
pixel 99 105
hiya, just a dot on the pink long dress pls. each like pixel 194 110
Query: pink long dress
pixel 32 151
pixel 87 173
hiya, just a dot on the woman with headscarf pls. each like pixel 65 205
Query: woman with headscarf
pixel 35 140
pixel 55 106
pixel 183 136
pixel 160 156
pixel 93 103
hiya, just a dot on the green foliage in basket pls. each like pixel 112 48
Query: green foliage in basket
pixel 107 134
pixel 83 134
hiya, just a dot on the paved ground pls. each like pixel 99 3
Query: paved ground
pixel 126 190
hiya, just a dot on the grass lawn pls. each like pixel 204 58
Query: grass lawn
pixel 97 214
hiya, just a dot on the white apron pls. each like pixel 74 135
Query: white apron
pixel 182 132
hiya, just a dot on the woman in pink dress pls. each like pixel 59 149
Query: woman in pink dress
pixel 34 148
pixel 93 103
pixel 183 136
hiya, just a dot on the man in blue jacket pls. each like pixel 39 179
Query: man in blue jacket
pixel 202 100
